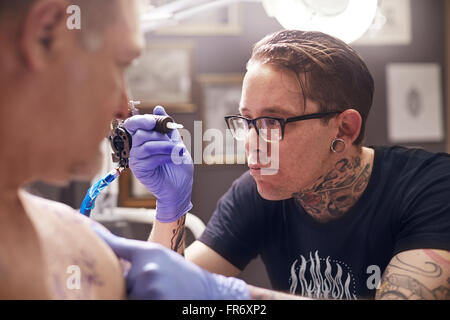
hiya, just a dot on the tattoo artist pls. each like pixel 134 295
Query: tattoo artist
pixel 326 219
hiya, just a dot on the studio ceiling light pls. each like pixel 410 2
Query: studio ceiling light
pixel 347 20
pixel 344 19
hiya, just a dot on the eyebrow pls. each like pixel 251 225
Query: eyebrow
pixel 274 110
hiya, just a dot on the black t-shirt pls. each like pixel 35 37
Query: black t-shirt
pixel 405 206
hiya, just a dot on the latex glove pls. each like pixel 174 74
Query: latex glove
pixel 159 273
pixel 152 162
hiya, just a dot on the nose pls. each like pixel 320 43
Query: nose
pixel 251 141
pixel 123 111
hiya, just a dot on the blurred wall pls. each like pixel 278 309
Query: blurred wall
pixel 225 54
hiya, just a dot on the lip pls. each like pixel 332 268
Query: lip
pixel 255 172
pixel 258 166
pixel 258 171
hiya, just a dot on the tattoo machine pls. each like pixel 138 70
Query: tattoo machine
pixel 121 144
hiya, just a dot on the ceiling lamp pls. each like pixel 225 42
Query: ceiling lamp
pixel 347 20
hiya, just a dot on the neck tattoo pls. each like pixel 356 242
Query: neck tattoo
pixel 334 194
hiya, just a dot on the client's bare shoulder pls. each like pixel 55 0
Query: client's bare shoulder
pixel 79 265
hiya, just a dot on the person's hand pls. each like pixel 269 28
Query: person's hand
pixel 162 164
pixel 159 273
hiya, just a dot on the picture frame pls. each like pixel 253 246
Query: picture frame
pixel 221 94
pixel 392 25
pixel 133 194
pixel 415 103
pixel 447 73
pixel 163 75
pixel 219 21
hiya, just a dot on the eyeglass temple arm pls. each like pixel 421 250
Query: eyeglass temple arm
pixel 311 116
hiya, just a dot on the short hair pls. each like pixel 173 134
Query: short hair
pixel 335 76
pixel 8 7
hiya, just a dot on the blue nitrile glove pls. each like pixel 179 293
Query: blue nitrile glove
pixel 159 273
pixel 162 164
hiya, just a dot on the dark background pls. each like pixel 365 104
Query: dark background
pixel 229 54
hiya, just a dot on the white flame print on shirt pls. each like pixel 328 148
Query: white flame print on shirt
pixel 321 286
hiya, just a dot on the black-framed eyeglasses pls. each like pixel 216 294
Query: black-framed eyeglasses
pixel 269 128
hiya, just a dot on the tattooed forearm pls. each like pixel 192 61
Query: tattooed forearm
pixel 178 235
pixel 335 193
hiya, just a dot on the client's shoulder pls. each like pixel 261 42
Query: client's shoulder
pixel 34 204
pixel 70 245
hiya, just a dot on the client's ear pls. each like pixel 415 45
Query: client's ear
pixel 43 32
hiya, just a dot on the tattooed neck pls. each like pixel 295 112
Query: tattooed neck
pixel 333 194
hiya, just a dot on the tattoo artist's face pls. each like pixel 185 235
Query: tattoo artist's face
pixel 305 150
pixel 98 87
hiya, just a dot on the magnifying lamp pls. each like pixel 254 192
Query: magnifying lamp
pixel 347 20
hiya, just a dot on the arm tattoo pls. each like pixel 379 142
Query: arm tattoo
pixel 435 270
pixel 445 261
pixel 402 286
pixel 178 236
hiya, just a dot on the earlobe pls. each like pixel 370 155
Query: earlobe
pixel 40 31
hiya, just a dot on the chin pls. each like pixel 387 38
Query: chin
pixel 86 170
pixel 271 193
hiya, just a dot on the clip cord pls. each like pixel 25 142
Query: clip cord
pixel 94 191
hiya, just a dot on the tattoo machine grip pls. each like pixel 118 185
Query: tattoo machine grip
pixel 162 124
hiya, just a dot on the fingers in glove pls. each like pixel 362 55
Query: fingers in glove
pixel 160 111
pixel 151 162
pixel 142 136
pixel 121 246
pixel 154 148
pixel 144 122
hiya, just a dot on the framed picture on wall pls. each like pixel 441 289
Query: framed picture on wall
pixel 163 76
pixel 223 20
pixel 133 194
pixel 221 94
pixel 391 26
pixel 415 108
